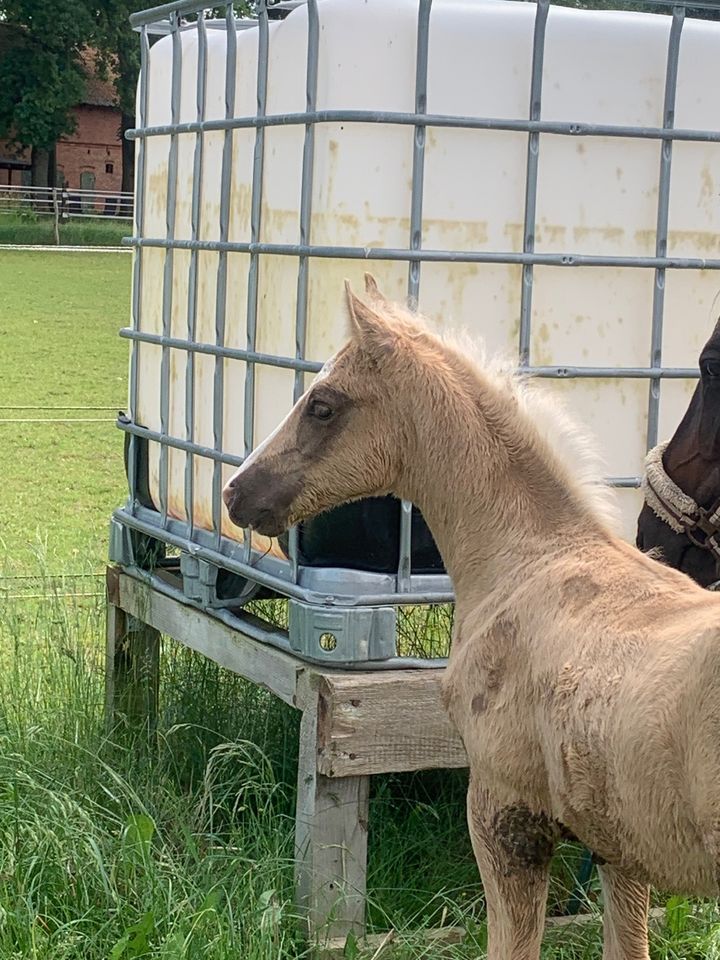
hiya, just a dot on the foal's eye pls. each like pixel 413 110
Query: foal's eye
pixel 711 368
pixel 320 410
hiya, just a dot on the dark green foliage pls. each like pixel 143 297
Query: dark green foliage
pixel 647 6
pixel 118 48
pixel 41 68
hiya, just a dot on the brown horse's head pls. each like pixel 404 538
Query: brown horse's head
pixel 692 461
pixel 342 440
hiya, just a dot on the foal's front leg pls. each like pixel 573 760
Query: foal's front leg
pixel 625 913
pixel 513 847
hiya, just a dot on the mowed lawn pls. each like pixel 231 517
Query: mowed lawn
pixel 62 366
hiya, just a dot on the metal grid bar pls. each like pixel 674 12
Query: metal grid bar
pixel 312 366
pixel 195 215
pixel 255 226
pixel 416 212
pixel 221 285
pixel 166 440
pixel 186 7
pixel 306 191
pixel 143 102
pixel 219 457
pixel 283 586
pixel 661 237
pixel 531 178
pixel 167 293
pixel 214 350
pixel 500 124
pixel 431 256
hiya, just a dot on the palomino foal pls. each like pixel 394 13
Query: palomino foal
pixel 584 678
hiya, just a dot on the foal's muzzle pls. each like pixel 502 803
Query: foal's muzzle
pixel 258 498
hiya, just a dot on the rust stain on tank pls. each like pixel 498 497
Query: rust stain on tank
pixel 552 233
pixel 240 206
pixel 156 192
pixel 515 233
pixel 702 241
pixel 608 233
pixel 707 188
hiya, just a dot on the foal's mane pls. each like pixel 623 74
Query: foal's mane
pixel 567 449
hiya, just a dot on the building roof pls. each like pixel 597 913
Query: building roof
pixel 99 91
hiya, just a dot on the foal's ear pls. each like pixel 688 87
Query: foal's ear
pixel 368 327
pixel 372 289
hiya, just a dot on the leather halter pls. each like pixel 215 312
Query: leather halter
pixel 679 511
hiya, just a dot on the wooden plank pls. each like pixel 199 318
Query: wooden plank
pixel 115 631
pixel 331 827
pixel 261 663
pixel 132 668
pixel 384 722
pixel 375 945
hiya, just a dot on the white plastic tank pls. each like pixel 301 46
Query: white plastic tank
pixel 595 196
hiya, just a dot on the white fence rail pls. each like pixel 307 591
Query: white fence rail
pixel 64 204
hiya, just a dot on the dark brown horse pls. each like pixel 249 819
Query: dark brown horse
pixel 681 515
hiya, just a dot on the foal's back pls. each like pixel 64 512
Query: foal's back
pixel 631 660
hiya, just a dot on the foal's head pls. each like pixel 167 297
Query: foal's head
pixel 343 440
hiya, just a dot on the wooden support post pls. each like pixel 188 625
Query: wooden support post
pixel 330 838
pixel 132 664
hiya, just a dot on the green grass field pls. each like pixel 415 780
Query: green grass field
pixel 60 360
pixel 178 846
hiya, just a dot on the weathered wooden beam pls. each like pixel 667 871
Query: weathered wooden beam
pixel 377 945
pixel 132 665
pixel 384 722
pixel 331 827
pixel 261 663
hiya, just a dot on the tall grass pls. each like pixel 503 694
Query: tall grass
pixel 16 228
pixel 180 845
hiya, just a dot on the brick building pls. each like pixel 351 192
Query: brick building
pixel 88 159
pixel 91 157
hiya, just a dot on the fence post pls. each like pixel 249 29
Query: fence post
pixel 56 216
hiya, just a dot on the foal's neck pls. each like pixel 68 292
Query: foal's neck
pixel 492 497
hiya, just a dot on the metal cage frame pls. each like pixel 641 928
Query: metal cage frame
pixel 359 609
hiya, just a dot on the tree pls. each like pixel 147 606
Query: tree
pixel 118 48
pixel 41 75
pixel 710 10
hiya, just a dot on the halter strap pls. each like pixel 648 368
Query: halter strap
pixel 678 510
